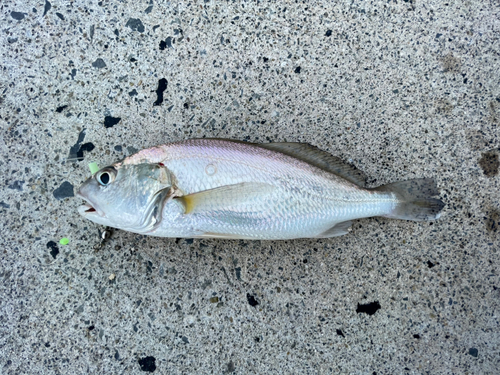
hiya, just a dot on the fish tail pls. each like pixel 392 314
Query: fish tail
pixel 416 200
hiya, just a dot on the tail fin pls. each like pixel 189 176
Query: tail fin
pixel 416 202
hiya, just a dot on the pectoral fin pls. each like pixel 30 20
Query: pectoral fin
pixel 224 197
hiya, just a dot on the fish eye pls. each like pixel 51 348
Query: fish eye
pixel 106 176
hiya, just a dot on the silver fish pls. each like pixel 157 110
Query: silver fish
pixel 230 189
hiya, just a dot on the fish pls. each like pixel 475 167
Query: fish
pixel 228 189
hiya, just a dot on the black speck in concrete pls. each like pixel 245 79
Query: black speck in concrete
pixel 117 355
pixel 135 24
pixel 61 108
pixel 73 73
pixel 17 15
pixel 489 163
pixel 237 270
pixel 54 249
pixel 297 70
pixel 369 308
pixel 231 367
pixel 4 205
pixel 185 339
pixel 417 336
pixel 16 185
pixel 340 333
pixel 60 16
pixel 148 364
pixel 162 86
pixel 473 352
pixel 110 121
pixel 492 222
pixel 118 148
pixel 133 92
pixel 89 146
pixel 47 7
pixel 251 300
pixel 64 191
pixel 99 63
pixel 47 345
pixel 430 264
pixel 11 40
pixel 148 9
pixel 328 33
pixel 73 151
pixel 167 43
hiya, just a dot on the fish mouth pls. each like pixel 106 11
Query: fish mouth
pixel 87 208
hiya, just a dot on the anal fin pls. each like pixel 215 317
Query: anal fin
pixel 338 229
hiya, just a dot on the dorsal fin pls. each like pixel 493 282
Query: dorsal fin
pixel 320 159
pixel 314 156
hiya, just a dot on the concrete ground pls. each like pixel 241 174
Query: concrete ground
pixel 400 88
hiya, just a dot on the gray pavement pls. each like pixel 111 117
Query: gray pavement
pixel 401 89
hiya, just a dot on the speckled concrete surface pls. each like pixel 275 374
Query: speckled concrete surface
pixel 402 89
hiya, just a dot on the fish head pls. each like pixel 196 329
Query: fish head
pixel 129 197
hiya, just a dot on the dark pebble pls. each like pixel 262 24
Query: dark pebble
pixel 99 63
pixel 64 191
pixel 16 185
pixel 47 7
pixel 162 86
pixel 110 121
pixel 54 249
pixel 61 108
pixel 147 364
pixel 251 300
pixel 135 24
pixel 17 15
pixel 369 308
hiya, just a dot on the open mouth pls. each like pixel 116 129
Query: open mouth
pixel 87 208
